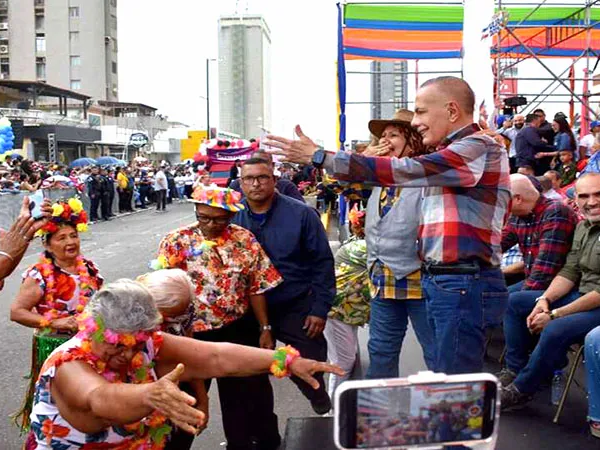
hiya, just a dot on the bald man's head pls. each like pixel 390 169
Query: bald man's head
pixel 452 88
pixel 442 106
pixel 524 195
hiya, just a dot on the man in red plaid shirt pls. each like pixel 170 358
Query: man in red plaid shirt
pixel 466 195
pixel 543 228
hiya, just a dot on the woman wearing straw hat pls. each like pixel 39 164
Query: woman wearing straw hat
pixel 391 234
pixel 231 274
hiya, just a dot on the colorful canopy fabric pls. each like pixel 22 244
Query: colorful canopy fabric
pixel 376 31
pixel 391 31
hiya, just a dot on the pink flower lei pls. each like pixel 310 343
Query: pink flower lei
pixel 93 329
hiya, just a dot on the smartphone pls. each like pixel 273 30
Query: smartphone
pixel 35 204
pixel 419 411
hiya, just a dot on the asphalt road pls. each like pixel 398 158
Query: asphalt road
pixel 122 249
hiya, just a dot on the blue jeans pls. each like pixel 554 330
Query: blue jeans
pixel 459 308
pixel 515 287
pixel 592 368
pixel 387 328
pixel 550 353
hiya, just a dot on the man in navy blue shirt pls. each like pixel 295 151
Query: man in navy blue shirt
pixel 293 237
pixel 528 142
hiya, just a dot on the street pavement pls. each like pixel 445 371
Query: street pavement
pixel 122 248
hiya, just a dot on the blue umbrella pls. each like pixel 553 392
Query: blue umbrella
pixel 110 161
pixel 82 162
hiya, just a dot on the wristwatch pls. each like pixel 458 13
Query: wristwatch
pixel 553 315
pixel 318 158
pixel 265 328
pixel 541 297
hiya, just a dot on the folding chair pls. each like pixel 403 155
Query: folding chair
pixel 578 349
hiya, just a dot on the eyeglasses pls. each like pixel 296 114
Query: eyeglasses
pixel 262 179
pixel 205 220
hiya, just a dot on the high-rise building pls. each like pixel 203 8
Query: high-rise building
pixel 389 88
pixel 244 75
pixel 71 44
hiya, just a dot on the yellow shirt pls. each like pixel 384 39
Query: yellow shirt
pixel 122 180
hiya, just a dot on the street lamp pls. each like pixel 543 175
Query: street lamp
pixel 208 60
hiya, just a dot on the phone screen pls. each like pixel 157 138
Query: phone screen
pixel 417 414
pixel 35 204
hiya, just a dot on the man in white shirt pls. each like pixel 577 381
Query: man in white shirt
pixel 510 129
pixel 587 142
pixel 160 187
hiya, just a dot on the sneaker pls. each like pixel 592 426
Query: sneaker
pixel 511 399
pixel 506 376
pixel 321 405
pixel 595 428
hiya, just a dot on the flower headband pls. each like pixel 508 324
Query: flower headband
pixel 93 328
pixel 68 212
pixel 355 216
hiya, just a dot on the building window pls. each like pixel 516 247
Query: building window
pixel 113 22
pixel 113 3
pixel 39 23
pixel 75 85
pixel 114 67
pixel 4 67
pixel 40 43
pixel 74 11
pixel 74 38
pixel 75 61
pixel 40 69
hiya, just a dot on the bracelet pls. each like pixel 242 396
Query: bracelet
pixel 8 255
pixel 282 359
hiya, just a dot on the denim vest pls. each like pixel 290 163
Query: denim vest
pixel 392 239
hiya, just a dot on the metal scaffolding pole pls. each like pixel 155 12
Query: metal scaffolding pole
pixel 537 58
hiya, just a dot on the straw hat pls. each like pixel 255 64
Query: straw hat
pixel 401 117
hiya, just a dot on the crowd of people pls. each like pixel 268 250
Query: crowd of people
pixel 451 229
pixel 110 189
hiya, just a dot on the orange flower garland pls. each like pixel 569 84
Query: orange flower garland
pixel 56 311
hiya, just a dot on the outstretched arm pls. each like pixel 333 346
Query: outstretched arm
pixel 91 404
pixel 216 360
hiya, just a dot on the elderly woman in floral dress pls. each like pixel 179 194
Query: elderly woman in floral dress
pixel 56 288
pixel 101 389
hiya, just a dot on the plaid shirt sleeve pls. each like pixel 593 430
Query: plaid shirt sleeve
pixel 555 240
pixel 461 164
pixel 509 235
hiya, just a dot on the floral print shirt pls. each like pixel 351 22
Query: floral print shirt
pixel 351 303
pixel 50 431
pixel 225 272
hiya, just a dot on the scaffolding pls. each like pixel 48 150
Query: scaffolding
pixel 517 41
pixel 551 36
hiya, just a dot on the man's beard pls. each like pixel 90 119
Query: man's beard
pixel 518 126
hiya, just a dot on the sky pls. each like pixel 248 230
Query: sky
pixel 163 47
